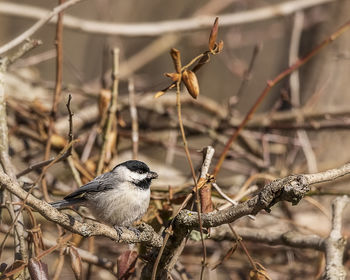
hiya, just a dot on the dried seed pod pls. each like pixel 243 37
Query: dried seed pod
pixel 175 55
pixel 213 34
pixel 190 80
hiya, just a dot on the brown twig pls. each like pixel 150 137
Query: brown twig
pixel 239 240
pixel 134 120
pixel 15 210
pixel 57 93
pixel 295 89
pixel 111 114
pixel 292 189
pixel 209 153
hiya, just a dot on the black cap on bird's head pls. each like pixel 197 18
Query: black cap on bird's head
pixel 139 167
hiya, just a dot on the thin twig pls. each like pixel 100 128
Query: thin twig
pixel 15 210
pixel 239 240
pixel 57 93
pixel 134 121
pixel 179 115
pixel 295 90
pixel 335 243
pixel 111 114
pixel 70 139
pixel 28 194
pixel 271 84
pixel 204 171
pixel 25 35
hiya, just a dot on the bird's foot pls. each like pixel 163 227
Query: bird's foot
pixel 119 230
pixel 134 230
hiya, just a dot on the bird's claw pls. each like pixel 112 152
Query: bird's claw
pixel 120 230
pixel 134 230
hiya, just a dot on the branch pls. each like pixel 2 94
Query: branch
pixel 43 20
pixel 85 255
pixel 147 236
pixel 163 27
pixel 290 238
pixel 328 175
pixel 335 243
pixel 292 189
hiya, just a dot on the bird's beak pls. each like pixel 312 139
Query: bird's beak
pixel 152 175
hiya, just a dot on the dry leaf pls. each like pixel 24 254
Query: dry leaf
pixel 104 98
pixel 58 141
pixel 75 262
pixel 38 106
pixel 126 264
pixel 38 270
pixel 190 80
pixel 159 94
pixel 213 34
pixel 90 165
pixel 205 197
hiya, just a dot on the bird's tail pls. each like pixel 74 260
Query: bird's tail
pixel 66 203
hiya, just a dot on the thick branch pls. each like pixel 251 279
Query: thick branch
pixel 147 236
pixel 291 189
pixel 335 243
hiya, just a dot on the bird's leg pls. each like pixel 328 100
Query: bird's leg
pixel 134 230
pixel 119 230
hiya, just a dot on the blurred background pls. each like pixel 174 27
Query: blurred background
pixel 302 126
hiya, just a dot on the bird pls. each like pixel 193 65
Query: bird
pixel 118 197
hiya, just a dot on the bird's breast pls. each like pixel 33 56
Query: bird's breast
pixel 121 206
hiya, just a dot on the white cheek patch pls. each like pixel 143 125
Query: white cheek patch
pixel 130 176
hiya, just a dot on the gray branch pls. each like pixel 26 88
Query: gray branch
pixel 335 243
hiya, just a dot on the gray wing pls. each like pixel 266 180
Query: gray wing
pixel 99 184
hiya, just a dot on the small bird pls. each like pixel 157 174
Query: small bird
pixel 118 197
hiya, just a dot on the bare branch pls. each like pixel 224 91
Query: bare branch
pixel 290 238
pixel 43 20
pixel 163 27
pixel 291 189
pixel 335 243
pixel 92 228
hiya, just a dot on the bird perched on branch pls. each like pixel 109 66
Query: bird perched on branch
pixel 118 197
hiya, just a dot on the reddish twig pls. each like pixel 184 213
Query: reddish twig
pixel 271 84
pixel 57 94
